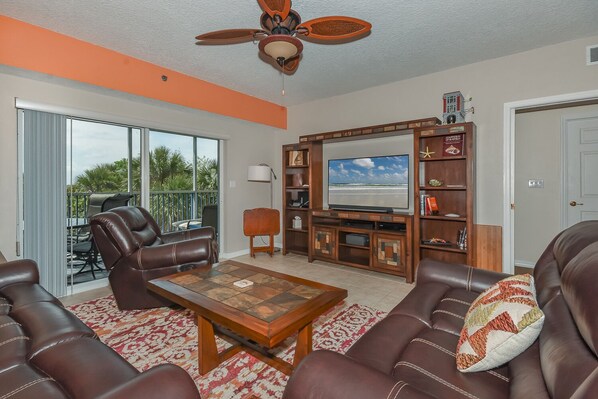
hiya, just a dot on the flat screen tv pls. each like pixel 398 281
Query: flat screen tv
pixel 370 183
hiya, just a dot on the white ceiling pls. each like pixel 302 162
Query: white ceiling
pixel 409 37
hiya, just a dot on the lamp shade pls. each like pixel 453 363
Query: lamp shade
pixel 281 47
pixel 259 173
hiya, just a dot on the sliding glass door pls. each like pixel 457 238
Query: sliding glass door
pixel 183 179
pixel 103 171
pixel 75 168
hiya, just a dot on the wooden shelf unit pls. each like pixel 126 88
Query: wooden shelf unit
pixel 301 178
pixel 456 195
pixel 386 238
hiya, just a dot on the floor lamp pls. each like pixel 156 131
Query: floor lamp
pixel 262 173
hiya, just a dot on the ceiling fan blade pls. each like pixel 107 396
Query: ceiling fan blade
pixel 334 28
pixel 273 7
pixel 230 36
pixel 290 66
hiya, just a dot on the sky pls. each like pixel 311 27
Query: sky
pixel 374 170
pixel 96 143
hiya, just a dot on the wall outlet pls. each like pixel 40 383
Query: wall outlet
pixel 535 183
pixel 232 184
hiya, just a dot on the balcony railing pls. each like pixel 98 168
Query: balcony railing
pixel 166 207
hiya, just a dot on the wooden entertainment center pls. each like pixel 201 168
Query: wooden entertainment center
pixel 385 242
pixel 366 240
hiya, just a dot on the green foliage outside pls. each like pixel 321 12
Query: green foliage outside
pixel 169 171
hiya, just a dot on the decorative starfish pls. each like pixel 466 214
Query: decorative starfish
pixel 427 153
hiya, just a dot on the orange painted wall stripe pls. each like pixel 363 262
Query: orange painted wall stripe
pixel 30 47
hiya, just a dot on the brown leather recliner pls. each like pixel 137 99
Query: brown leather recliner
pixel 134 250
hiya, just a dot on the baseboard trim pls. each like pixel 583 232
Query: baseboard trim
pixel 230 255
pixel 90 285
pixel 524 263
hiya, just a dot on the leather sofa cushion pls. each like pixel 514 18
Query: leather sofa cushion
pixel 548 282
pixel 14 343
pixel 49 324
pixel 438 306
pixel 25 293
pixel 384 342
pixel 450 312
pixel 525 376
pixel 5 306
pixel 565 358
pixel 428 364
pixel 573 241
pixel 579 290
pixel 24 382
pixel 89 358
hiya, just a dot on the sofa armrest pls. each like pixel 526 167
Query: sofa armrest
pixel 456 275
pixel 330 375
pixel 190 234
pixel 18 271
pixel 176 253
pixel 164 381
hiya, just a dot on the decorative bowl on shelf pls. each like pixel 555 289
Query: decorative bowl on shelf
pixel 435 183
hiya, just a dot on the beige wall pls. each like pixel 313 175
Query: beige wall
pixel 248 144
pixel 541 72
pixel 538 156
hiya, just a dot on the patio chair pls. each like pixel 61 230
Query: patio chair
pixel 81 245
pixel 209 217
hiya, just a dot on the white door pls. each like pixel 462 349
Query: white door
pixel 581 169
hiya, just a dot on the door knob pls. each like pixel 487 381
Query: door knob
pixel 574 203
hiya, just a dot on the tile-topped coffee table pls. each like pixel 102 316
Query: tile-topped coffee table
pixel 260 316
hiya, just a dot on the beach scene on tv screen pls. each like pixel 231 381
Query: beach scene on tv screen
pixel 381 182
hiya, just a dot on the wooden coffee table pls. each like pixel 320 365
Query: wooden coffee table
pixel 259 316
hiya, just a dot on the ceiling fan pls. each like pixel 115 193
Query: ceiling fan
pixel 281 28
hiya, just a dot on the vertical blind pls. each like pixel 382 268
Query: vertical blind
pixel 44 197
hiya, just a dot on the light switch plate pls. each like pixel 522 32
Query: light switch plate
pixel 535 183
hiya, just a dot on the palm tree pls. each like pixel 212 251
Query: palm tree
pixel 102 178
pixel 167 167
pixel 207 174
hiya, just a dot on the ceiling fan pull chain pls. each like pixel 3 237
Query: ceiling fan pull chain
pixel 282 73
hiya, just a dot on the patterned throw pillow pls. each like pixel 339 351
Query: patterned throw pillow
pixel 501 323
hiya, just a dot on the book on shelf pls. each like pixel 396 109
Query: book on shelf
pixel 422 204
pixel 428 205
pixel 462 239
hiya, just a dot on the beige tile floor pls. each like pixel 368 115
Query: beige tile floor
pixel 377 290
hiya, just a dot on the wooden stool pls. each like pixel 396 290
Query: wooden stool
pixel 261 222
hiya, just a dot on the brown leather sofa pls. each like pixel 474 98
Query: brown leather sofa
pixel 47 352
pixel 411 353
pixel 134 250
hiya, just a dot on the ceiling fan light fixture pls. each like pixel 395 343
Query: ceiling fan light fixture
pixel 281 47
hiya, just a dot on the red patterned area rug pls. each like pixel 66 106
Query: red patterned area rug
pixel 147 338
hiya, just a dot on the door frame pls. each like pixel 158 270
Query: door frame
pixel 509 162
